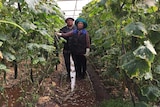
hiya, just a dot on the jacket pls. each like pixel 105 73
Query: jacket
pixel 65 30
pixel 79 41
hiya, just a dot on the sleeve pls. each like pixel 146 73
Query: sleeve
pixel 67 34
pixel 87 40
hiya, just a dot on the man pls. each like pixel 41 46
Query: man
pixel 80 46
pixel 66 50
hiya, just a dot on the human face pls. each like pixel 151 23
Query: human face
pixel 80 25
pixel 69 22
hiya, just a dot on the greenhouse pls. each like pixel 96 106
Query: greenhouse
pixel 79 53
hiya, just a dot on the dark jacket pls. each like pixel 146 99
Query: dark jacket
pixel 79 41
pixel 65 30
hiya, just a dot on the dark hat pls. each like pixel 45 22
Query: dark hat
pixel 81 20
pixel 68 19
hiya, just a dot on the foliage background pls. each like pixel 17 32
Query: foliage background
pixel 28 43
pixel 125 46
pixel 39 20
pixel 125 41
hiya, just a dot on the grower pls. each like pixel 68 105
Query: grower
pixel 66 50
pixel 79 46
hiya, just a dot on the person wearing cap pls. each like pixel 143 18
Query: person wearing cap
pixel 66 50
pixel 79 46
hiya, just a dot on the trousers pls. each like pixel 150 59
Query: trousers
pixel 66 55
pixel 80 63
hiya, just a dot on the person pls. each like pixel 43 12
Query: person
pixel 79 46
pixel 66 50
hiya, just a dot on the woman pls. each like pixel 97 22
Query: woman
pixel 79 46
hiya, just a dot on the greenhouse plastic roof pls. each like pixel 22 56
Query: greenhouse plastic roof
pixel 72 8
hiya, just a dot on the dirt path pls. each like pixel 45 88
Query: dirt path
pixel 88 92
pixel 99 88
pixel 61 96
pixel 55 90
pixel 82 96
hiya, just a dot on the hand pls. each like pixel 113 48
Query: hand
pixel 58 34
pixel 87 52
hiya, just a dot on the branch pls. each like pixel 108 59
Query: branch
pixel 12 23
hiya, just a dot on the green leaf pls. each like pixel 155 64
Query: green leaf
pixel 9 57
pixel 47 9
pixel 108 43
pixel 3 67
pixel 152 9
pixel 31 46
pixel 1 5
pixel 151 92
pixel 127 57
pixel 155 27
pixel 137 68
pixel 154 34
pixel 148 76
pixel 11 50
pixel 142 104
pixel 48 48
pixel 157 69
pixel 2 89
pixel 158 83
pixel 102 2
pixel 39 60
pixel 150 47
pixel 29 25
pixel 43 32
pixel 157 47
pixel 1 43
pixel 144 53
pixel 31 3
pixel 94 11
pixel 136 29
pixel 20 1
pixel 62 40
pixel 3 37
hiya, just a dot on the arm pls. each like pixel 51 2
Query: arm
pixel 67 34
pixel 87 44
pixel 87 40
